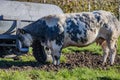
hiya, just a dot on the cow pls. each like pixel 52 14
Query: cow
pixel 74 29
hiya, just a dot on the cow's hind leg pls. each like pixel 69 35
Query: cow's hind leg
pixel 106 52
pixel 112 47
pixel 102 42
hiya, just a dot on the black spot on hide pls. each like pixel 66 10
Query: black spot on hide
pixel 73 30
pixel 97 16
pixel 60 39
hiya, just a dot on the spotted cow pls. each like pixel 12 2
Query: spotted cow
pixel 74 29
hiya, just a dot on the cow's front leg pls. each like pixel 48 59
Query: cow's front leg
pixel 112 47
pixel 106 52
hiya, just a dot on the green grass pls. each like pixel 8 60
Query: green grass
pixel 93 48
pixel 80 73
pixel 63 74
pixel 113 73
pixel 96 49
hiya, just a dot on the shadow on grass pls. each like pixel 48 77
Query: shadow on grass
pixel 5 64
pixel 106 78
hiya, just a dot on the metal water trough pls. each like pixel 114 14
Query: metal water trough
pixel 14 14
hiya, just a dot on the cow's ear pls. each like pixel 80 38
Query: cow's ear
pixel 22 31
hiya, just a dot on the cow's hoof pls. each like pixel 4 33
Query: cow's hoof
pixel 104 63
pixel 111 64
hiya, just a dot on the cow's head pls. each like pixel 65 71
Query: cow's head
pixel 24 37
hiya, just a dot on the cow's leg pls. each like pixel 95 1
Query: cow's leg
pixel 112 55
pixel 102 42
pixel 106 52
pixel 112 47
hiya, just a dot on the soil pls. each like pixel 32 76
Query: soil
pixel 83 59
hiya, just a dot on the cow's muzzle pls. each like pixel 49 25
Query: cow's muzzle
pixel 56 60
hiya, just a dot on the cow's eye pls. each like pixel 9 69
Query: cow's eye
pixel 23 32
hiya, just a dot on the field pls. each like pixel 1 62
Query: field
pixel 76 64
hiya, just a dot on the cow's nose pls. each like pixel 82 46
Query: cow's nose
pixel 56 57
pixel 56 60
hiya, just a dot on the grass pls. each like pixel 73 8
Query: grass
pixel 96 49
pixel 63 74
pixel 80 73
pixel 93 48
pixel 113 73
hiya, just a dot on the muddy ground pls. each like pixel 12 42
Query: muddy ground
pixel 86 59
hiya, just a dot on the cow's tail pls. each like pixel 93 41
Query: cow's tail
pixel 118 27
pixel 116 23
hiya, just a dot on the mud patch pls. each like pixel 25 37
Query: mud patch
pixel 86 59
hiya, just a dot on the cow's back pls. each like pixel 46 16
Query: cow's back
pixel 79 29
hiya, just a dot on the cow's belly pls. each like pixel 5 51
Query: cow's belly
pixel 81 40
